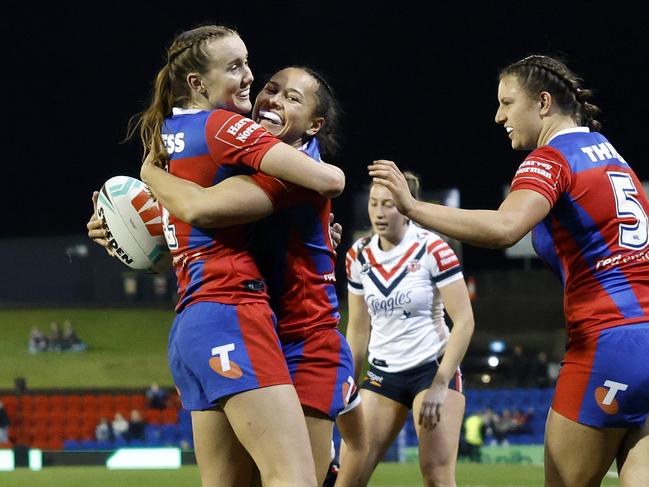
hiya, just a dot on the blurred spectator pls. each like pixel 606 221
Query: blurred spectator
pixel 55 338
pixel 70 339
pixel 503 427
pixel 104 430
pixel 521 420
pixel 474 432
pixel 156 396
pixel 540 372
pixel 37 340
pixel 4 424
pixel 520 368
pixel 120 426
pixel 136 426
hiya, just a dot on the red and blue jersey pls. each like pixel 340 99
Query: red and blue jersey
pixel 298 260
pixel 596 236
pixel 207 147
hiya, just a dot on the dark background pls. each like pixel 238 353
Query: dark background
pixel 417 81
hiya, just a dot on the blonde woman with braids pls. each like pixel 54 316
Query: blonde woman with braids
pixel 400 281
pixel 224 352
pixel 589 213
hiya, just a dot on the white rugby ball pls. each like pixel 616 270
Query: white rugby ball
pixel 133 223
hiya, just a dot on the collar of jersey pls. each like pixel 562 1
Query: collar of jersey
pixel 185 111
pixel 568 131
pixel 397 248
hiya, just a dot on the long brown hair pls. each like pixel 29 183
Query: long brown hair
pixel 543 73
pixel 186 54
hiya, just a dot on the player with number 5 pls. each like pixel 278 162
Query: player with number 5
pixel 589 215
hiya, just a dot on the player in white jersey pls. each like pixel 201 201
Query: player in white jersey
pixel 400 281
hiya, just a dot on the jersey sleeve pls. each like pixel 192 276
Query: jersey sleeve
pixel 545 171
pixel 353 268
pixel 234 139
pixel 444 265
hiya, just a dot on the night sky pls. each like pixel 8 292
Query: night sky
pixel 416 87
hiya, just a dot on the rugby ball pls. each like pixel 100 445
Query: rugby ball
pixel 133 222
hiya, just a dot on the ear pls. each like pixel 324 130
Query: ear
pixel 545 102
pixel 195 83
pixel 316 125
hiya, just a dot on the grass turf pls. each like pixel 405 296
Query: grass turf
pixel 126 348
pixel 386 475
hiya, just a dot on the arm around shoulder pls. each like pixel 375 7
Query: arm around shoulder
pixel 287 163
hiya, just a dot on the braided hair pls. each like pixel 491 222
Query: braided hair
pixel 538 73
pixel 186 54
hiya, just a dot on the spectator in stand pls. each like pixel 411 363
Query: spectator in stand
pixel 37 340
pixel 55 339
pixel 136 426
pixel 4 424
pixel 70 339
pixel 503 427
pixel 520 370
pixel 540 373
pixel 521 421
pixel 104 430
pixel 156 396
pixel 120 426
pixel 474 433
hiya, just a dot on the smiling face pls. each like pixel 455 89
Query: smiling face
pixel 519 114
pixel 227 83
pixel 387 222
pixel 287 104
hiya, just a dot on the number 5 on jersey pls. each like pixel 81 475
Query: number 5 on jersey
pixel 631 236
pixel 169 230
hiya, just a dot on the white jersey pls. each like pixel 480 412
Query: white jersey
pixel 400 287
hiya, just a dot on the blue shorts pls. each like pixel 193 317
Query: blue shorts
pixel 604 378
pixel 322 370
pixel 216 350
pixel 404 386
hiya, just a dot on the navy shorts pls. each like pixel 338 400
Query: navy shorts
pixel 404 386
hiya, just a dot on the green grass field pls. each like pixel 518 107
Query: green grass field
pixel 386 475
pixel 126 348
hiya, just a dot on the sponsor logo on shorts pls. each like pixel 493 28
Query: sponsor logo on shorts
pixel 348 389
pixel 605 396
pixel 221 363
pixel 375 379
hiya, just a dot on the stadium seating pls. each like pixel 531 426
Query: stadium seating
pixel 67 421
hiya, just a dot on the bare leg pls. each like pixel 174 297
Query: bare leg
pixel 222 461
pixel 270 425
pixel 354 449
pixel 320 428
pixel 383 419
pixel 577 455
pixel 438 447
pixel 633 459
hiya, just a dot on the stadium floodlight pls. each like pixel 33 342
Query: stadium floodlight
pixel 493 361
pixel 485 378
pixel 497 346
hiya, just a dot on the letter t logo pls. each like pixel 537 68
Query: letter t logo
pixel 222 352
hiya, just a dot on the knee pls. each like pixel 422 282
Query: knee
pixel 438 473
